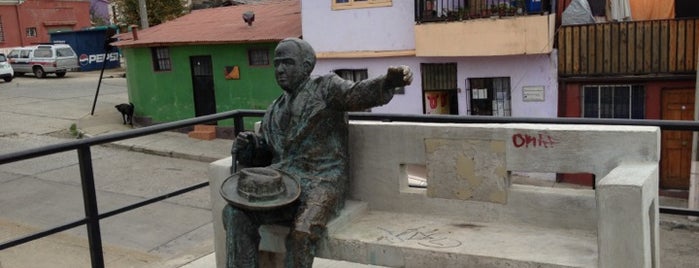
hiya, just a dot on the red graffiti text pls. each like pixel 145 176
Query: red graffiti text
pixel 526 141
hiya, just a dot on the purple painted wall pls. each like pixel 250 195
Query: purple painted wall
pixel 100 9
pixel 391 28
pixel 531 70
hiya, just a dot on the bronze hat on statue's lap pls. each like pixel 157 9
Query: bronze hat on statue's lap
pixel 260 188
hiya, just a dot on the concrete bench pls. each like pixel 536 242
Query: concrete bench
pixel 471 215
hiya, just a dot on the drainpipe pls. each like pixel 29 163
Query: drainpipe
pixel 693 201
pixel 19 23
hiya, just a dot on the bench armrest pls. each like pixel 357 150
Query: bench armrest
pixel 627 203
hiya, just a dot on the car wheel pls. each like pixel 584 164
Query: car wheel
pixel 39 72
pixel 7 78
pixel 60 74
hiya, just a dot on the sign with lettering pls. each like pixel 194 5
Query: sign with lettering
pixel 533 93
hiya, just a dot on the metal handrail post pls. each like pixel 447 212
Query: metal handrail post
pixel 238 125
pixel 90 202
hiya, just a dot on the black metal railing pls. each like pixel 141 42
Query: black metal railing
pixel 456 10
pixel 93 217
pixel 83 146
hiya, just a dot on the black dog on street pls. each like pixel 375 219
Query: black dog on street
pixel 126 111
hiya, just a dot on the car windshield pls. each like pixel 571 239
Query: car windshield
pixel 2 58
pixel 64 52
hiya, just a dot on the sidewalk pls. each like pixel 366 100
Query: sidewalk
pixel 168 143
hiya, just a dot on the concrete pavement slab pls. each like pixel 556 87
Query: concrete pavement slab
pixel 39 203
pixel 21 123
pixel 7 176
pixel 179 145
pixel 101 122
pixel 187 247
pixel 62 109
pixel 141 175
pixel 25 201
pixel 10 102
pixel 23 141
pixel 63 250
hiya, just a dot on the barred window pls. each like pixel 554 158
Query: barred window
pixel 258 57
pixel 2 31
pixel 355 75
pixel 161 59
pixel 31 32
pixel 490 96
pixel 614 101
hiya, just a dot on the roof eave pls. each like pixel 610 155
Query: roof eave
pixel 191 43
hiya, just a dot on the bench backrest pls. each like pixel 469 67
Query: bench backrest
pixel 468 166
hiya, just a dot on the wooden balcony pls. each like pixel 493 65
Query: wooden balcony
pixel 460 28
pixel 515 35
pixel 657 47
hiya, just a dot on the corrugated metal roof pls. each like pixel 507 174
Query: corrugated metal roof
pixel 274 21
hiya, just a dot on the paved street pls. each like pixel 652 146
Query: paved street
pixel 45 192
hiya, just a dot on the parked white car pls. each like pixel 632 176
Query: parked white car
pixel 43 59
pixel 6 71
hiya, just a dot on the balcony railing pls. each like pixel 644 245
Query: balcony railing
pixel 629 48
pixel 457 10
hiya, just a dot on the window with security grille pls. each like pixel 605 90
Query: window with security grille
pixel 439 88
pixel 355 75
pixel 614 101
pixel 2 31
pixel 31 32
pixel 490 96
pixel 258 57
pixel 161 59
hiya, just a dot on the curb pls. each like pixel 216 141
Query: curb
pixel 680 225
pixel 152 151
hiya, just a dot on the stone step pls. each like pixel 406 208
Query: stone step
pixel 203 132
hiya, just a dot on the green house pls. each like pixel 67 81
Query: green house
pixel 208 61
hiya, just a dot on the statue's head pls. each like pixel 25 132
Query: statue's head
pixel 294 59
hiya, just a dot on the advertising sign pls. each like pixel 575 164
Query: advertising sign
pixel 89 45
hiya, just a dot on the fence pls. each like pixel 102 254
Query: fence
pixel 456 10
pixel 629 48
pixel 92 217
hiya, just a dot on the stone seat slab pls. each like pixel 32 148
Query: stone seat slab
pixel 412 240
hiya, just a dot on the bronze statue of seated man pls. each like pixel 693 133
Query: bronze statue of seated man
pixel 302 143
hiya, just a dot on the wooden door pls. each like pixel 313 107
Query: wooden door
pixel 675 162
pixel 203 85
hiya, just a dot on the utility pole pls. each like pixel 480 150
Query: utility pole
pixel 143 12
